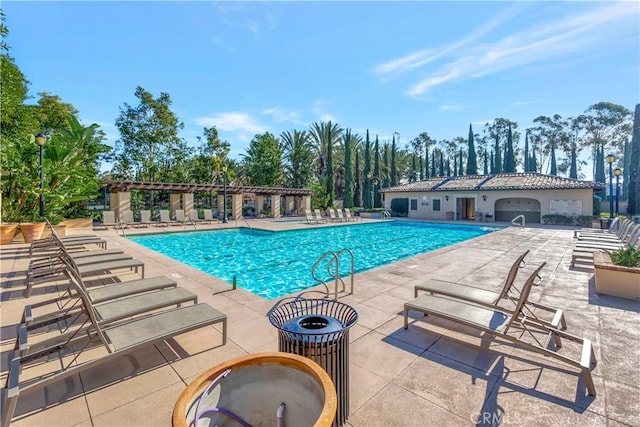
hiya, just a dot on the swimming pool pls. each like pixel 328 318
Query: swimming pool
pixel 274 264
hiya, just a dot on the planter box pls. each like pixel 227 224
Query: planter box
pixel 7 232
pixel 78 223
pixel 614 279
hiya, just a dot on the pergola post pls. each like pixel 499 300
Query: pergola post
pixel 220 200
pixel 119 202
pixel 259 204
pixel 187 202
pixel 275 205
pixel 289 204
pixel 236 204
pixel 306 203
pixel 174 202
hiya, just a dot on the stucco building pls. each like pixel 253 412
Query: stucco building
pixel 500 197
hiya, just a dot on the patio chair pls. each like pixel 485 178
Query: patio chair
pixel 165 218
pixel 339 215
pixel 193 216
pixel 108 220
pixel 145 218
pixel 348 216
pixel 66 313
pixel 497 322
pixel 309 217
pixel 208 217
pixel 332 215
pixel 182 219
pixel 116 340
pixel 507 295
pixel 319 217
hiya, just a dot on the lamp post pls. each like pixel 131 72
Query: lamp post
pixel 617 172
pixel 224 194
pixel 41 140
pixel 610 159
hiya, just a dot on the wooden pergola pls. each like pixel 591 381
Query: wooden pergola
pixel 181 195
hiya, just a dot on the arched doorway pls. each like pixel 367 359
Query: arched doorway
pixel 508 208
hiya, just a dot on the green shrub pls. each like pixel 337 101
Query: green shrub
pixel 400 207
pixel 627 257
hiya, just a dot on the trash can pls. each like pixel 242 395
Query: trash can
pixel 319 330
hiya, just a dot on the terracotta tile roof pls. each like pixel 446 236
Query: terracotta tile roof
pixel 505 181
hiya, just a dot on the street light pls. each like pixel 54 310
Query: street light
pixel 224 194
pixel 617 172
pixel 610 159
pixel 41 140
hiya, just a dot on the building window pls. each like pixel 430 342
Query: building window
pixel 414 204
pixel 435 205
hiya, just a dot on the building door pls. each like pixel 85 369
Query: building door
pixel 465 207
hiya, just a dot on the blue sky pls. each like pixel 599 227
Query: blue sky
pixel 406 67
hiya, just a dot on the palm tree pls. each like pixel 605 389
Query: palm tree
pixel 298 156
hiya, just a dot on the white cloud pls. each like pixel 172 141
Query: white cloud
pixel 447 107
pixel 232 121
pixel 281 115
pixel 531 45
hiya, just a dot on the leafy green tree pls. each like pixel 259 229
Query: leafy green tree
pixel 348 170
pixel 633 207
pixel 149 140
pixel 472 162
pixel 366 173
pixel 262 164
pixel 510 160
pixel 606 126
pixel 377 197
pixel 553 132
pixel 298 153
pixel 321 134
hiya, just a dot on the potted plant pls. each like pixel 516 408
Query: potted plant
pixel 617 272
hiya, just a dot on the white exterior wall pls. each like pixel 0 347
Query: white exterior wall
pixel 544 197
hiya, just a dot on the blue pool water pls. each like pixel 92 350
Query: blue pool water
pixel 274 264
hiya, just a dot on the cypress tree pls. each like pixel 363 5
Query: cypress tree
pixel 433 164
pixel 625 170
pixel 573 170
pixel 357 188
pixel 366 187
pixel 421 169
pixel 386 165
pixel 414 167
pixel 554 166
pixel 455 165
pixel 633 206
pixel 509 161
pixel 394 175
pixel 497 161
pixel 448 168
pixel 504 158
pixel 377 197
pixel 441 164
pixel 486 163
pixel 426 163
pixel 534 160
pixel 526 152
pixel 348 171
pixel 472 162
pixel 460 168
pixel 493 164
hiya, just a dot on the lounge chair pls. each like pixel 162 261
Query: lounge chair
pixel 193 216
pixel 116 339
pixel 145 218
pixel 503 299
pixel 612 230
pixel 107 311
pixel 332 215
pixel 319 217
pixel 165 218
pixel 584 252
pixel 309 217
pixel 182 219
pixel 128 220
pixel 339 215
pixel 108 220
pixel 208 217
pixel 612 234
pixel 348 216
pixel 498 322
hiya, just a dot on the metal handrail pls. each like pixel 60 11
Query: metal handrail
pixel 386 214
pixel 336 273
pixel 514 221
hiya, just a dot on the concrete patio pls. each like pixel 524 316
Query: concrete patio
pixel 432 374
